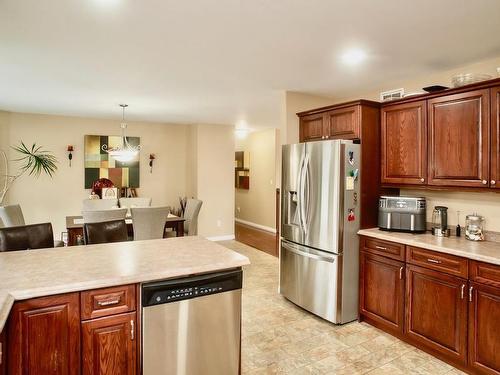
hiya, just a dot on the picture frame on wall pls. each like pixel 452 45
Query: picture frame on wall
pixel 109 193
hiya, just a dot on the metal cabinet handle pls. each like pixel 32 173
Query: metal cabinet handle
pixel 109 302
pixel 434 261
pixel 470 293
pixel 401 273
pixel 132 330
pixel 484 182
pixel 493 182
pixel 422 179
pixel 380 248
pixel 462 290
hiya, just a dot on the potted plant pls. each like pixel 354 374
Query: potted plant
pixel 34 160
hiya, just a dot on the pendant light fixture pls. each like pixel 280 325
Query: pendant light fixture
pixel 125 152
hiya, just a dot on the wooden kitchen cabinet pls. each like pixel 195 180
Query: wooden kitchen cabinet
pixel 436 313
pixel 311 127
pixel 3 353
pixel 484 338
pixel 342 123
pixel 382 292
pixel 458 136
pixel 109 345
pixel 495 138
pixel 404 143
pixel 44 336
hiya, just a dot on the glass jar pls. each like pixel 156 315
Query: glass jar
pixel 474 227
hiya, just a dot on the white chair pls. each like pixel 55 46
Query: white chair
pixel 135 202
pixel 191 213
pixel 11 216
pixel 99 204
pixel 149 222
pixel 99 216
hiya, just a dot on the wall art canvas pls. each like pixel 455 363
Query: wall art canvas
pixel 98 164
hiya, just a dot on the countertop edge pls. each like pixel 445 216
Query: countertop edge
pixel 19 295
pixel 393 237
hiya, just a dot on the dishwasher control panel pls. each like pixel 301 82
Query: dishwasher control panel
pixel 190 287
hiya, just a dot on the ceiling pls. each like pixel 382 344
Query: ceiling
pixel 224 61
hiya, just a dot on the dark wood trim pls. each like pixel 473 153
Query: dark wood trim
pixel 257 238
pixel 363 102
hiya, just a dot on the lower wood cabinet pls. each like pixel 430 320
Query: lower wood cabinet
pixel 109 345
pixel 382 291
pixel 436 312
pixel 3 353
pixel 484 334
pixel 44 336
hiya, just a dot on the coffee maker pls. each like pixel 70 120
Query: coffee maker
pixel 440 221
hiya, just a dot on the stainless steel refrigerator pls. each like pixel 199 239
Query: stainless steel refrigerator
pixel 320 209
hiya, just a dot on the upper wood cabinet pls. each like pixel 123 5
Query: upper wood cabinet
pixel 484 340
pixel 495 138
pixel 404 143
pixel 459 131
pixel 342 123
pixel 44 336
pixel 109 345
pixel 382 291
pixel 436 312
pixel 311 127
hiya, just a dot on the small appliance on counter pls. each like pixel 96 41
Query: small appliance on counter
pixel 404 214
pixel 440 222
pixel 474 227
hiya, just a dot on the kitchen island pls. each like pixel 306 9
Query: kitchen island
pixel 58 293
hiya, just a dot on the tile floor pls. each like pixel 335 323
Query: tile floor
pixel 280 338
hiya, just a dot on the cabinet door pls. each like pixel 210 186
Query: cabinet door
pixel 3 353
pixel 436 313
pixel 109 345
pixel 404 144
pixel 382 292
pixel 311 127
pixel 495 138
pixel 484 337
pixel 459 133
pixel 343 123
pixel 44 336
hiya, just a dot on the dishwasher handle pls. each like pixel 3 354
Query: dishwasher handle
pixel 168 291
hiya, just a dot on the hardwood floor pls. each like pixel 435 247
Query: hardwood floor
pixel 257 238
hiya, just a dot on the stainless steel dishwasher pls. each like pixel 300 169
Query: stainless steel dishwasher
pixel 192 326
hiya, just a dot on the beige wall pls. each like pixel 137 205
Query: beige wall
pixel 213 161
pixel 192 160
pixel 257 205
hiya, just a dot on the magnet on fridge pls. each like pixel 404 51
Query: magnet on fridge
pixel 349 183
pixel 354 173
pixel 350 215
pixel 350 157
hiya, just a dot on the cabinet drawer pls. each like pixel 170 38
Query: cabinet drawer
pixel 451 264
pixel 385 248
pixel 107 301
pixel 484 273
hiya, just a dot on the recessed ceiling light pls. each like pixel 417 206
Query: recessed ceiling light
pixel 353 56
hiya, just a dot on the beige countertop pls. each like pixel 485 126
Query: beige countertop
pixel 45 272
pixel 484 251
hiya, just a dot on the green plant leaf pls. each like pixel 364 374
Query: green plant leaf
pixel 36 160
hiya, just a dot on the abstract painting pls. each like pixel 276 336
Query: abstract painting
pixel 98 164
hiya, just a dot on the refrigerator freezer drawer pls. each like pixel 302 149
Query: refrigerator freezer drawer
pixel 309 278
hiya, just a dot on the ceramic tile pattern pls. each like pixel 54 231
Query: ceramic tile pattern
pixel 280 338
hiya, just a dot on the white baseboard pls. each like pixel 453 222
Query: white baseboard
pixel 221 238
pixel 255 225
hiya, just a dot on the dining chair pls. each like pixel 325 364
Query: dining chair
pixel 193 207
pixel 25 237
pixel 135 202
pixel 105 232
pixel 99 204
pixel 99 216
pixel 149 222
pixel 12 216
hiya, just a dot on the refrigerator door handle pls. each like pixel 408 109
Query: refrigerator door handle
pixel 300 194
pixel 302 197
pixel 307 190
pixel 308 254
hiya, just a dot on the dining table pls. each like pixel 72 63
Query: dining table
pixel 74 227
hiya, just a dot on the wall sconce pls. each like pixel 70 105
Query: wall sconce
pixel 70 153
pixel 151 160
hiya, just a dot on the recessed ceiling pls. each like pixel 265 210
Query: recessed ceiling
pixel 224 61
